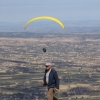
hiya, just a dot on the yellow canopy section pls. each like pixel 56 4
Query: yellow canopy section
pixel 45 17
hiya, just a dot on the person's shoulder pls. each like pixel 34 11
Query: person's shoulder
pixel 53 70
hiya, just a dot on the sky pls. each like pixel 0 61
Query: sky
pixel 16 11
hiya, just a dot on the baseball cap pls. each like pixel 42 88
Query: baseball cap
pixel 48 64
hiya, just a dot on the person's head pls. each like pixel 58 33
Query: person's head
pixel 48 66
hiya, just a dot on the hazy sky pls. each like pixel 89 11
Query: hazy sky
pixel 69 10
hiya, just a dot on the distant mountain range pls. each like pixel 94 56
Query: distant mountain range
pixel 49 26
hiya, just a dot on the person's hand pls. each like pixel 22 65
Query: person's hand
pixel 43 82
pixel 55 89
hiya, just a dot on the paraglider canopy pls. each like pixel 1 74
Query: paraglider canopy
pixel 45 17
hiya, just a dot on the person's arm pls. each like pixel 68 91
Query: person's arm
pixel 43 81
pixel 57 80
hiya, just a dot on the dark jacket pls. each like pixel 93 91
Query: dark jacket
pixel 53 81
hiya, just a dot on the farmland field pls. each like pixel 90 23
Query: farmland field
pixel 76 57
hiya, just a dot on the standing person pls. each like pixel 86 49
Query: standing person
pixel 51 80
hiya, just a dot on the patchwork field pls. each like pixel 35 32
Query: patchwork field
pixel 75 57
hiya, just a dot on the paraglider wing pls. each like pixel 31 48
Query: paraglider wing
pixel 45 17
